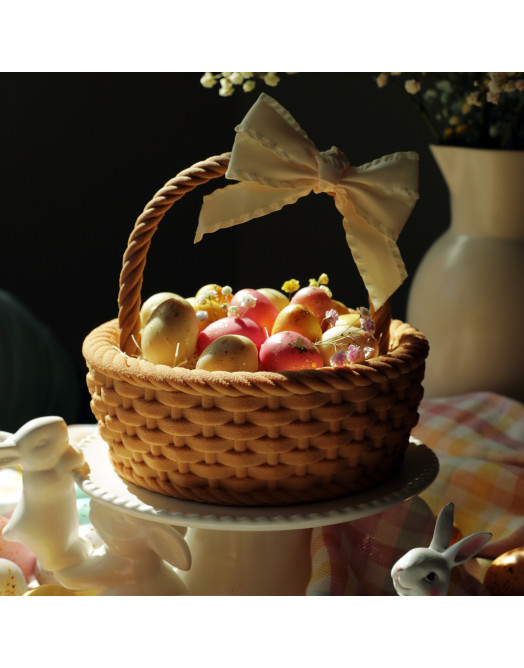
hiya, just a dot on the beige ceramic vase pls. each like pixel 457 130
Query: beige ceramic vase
pixel 467 295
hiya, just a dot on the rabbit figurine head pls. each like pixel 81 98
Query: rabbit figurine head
pixel 425 571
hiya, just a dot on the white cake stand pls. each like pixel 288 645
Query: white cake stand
pixel 243 550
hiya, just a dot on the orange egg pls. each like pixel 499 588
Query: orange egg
pixel 298 318
pixel 213 309
pixel 339 307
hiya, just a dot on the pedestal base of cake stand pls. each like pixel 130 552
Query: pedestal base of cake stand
pixel 243 550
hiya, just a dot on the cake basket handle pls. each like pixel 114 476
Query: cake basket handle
pixel 134 260
pixel 131 276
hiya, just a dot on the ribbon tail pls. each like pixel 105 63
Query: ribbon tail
pixel 240 202
pixel 377 258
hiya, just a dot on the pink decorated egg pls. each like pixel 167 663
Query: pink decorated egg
pixel 18 553
pixel 231 325
pixel 256 306
pixel 289 351
pixel 315 299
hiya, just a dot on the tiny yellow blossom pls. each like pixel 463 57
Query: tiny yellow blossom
pixel 313 282
pixel 290 286
pixel 323 279
pixel 326 290
pixel 382 79
pixel 454 120
pixel 412 86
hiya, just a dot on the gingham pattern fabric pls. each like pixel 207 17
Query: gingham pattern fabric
pixel 479 440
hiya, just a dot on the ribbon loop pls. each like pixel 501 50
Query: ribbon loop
pixel 275 163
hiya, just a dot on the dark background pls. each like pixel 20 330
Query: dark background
pixel 83 153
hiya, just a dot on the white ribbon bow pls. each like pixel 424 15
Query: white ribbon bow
pixel 276 164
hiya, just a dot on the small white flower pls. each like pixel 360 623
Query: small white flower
pixel 236 78
pixel 201 315
pixel 248 301
pixel 271 78
pixel 227 290
pixel 208 80
pixel 226 87
pixel 412 86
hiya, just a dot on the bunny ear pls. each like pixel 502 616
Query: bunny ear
pixel 466 548
pixel 443 529
pixel 170 545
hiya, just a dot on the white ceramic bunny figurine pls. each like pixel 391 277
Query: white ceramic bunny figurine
pixel 45 518
pixel 136 560
pixel 132 560
pixel 425 571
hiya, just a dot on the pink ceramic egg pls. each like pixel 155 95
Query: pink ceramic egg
pixel 231 325
pixel 289 351
pixel 264 312
pixel 315 299
pixel 18 553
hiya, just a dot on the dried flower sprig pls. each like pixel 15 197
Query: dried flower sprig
pixel 475 109
pixel 229 81
pixel 215 301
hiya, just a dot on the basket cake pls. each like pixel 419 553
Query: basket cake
pixel 239 438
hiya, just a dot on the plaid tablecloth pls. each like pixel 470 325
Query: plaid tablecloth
pixel 479 440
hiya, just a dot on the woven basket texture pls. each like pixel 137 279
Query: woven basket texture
pixel 247 438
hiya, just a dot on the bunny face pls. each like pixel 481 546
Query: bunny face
pixel 421 572
pixel 425 571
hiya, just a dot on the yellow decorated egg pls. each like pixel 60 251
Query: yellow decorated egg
pixel 50 590
pixel 349 319
pixel 340 337
pixel 277 298
pixel 298 318
pixel 150 305
pixel 170 335
pixel 231 352
pixel 212 308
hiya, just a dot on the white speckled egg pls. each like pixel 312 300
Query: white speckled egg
pixel 231 352
pixel 150 305
pixel 170 335
pixel 12 580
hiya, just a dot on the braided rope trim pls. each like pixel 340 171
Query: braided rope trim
pixel 134 260
pixel 406 357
